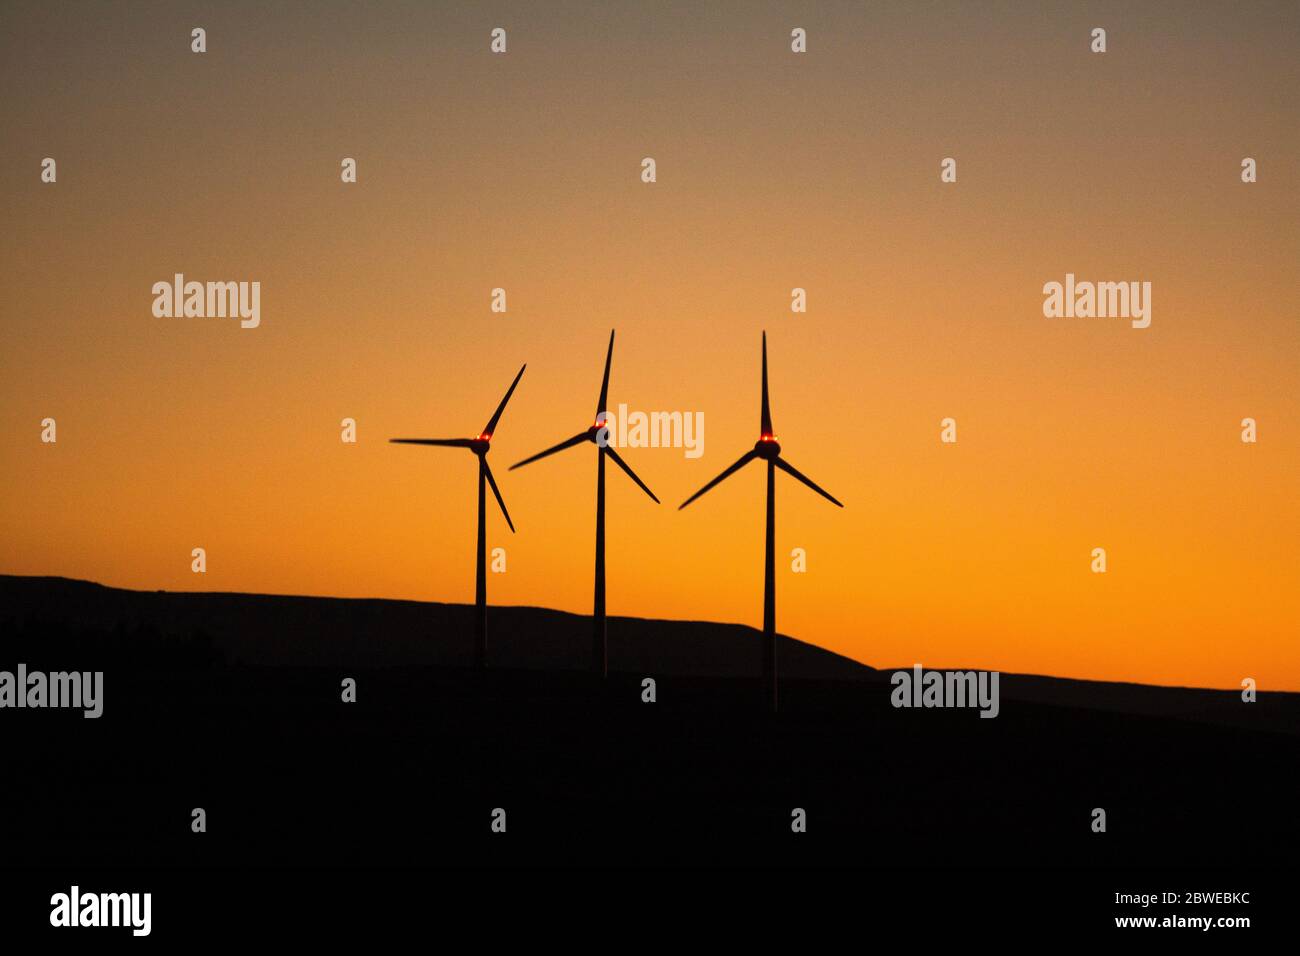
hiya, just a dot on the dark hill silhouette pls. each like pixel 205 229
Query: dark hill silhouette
pixel 278 630
pixel 267 630
pixel 232 703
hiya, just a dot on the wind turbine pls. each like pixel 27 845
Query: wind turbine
pixel 593 433
pixel 768 449
pixel 479 446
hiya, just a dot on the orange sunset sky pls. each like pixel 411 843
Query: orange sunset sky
pixel 775 171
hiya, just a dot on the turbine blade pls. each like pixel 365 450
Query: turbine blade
pixel 496 416
pixel 766 423
pixel 487 470
pixel 567 443
pixel 604 383
pixel 451 442
pixel 744 460
pixel 790 469
pixel 630 473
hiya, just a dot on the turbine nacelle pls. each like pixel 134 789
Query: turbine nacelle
pixel 766 448
pixel 478 445
pixel 592 434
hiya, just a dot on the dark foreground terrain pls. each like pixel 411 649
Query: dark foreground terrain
pixel 232 703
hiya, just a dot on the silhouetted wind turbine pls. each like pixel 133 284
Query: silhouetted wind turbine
pixel 599 653
pixel 479 446
pixel 769 450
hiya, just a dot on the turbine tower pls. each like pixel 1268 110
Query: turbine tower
pixel 768 449
pixel 479 446
pixel 593 433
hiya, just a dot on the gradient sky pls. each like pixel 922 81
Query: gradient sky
pixel 775 171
